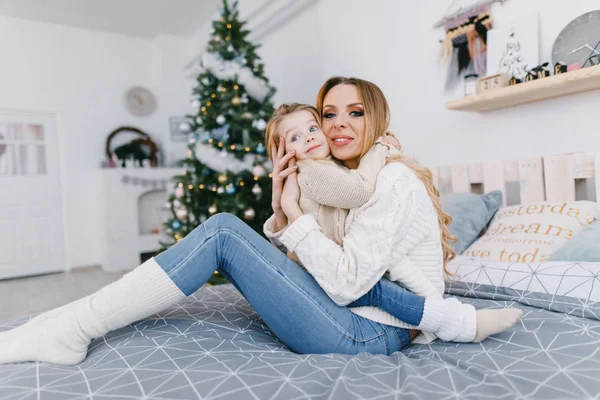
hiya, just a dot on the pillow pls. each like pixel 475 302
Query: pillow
pixel 585 246
pixel 531 233
pixel 566 287
pixel 470 213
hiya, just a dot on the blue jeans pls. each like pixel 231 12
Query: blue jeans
pixel 285 296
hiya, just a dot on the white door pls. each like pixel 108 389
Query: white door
pixel 31 222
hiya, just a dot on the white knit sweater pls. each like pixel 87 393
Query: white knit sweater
pixel 395 232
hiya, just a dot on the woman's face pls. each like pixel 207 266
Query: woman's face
pixel 344 123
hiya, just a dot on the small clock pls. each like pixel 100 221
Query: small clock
pixel 140 101
pixel 577 40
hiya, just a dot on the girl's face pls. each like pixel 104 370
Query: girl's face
pixel 303 135
pixel 344 123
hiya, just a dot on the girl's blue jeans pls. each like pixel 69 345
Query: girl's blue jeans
pixel 285 295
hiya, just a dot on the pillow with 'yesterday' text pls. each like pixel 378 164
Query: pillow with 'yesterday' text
pixel 532 233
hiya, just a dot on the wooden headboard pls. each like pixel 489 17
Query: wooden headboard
pixel 561 178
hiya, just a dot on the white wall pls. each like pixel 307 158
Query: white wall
pixel 393 44
pixel 288 32
pixel 292 57
pixel 83 75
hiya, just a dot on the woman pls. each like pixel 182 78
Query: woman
pixel 293 297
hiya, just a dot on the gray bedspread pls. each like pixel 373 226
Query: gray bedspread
pixel 214 346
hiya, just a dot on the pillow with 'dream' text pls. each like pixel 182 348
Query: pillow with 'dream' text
pixel 531 233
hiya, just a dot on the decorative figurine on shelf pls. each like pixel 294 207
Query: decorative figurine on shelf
pixel 471 81
pixel 492 82
pixel 541 71
pixel 560 68
pixel 531 76
pixel 514 81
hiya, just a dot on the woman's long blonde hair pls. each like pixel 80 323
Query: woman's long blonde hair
pixel 272 130
pixel 377 120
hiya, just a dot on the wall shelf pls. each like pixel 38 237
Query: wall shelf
pixel 554 86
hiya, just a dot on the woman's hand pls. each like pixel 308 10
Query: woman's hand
pixel 291 196
pixel 280 173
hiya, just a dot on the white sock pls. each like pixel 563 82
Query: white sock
pixel 449 319
pixel 62 336
pixel 490 322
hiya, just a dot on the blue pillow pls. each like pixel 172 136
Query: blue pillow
pixel 470 213
pixel 584 247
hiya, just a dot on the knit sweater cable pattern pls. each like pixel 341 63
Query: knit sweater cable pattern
pixel 395 232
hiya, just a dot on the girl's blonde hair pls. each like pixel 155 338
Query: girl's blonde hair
pixel 377 120
pixel 272 130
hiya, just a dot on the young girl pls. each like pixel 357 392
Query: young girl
pixel 304 138
pixel 328 190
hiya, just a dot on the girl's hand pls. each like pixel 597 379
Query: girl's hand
pixel 280 173
pixel 290 196
pixel 390 140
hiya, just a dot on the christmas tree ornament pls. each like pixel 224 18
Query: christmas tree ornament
pixel 179 192
pixel 202 218
pixel 217 38
pixel 205 81
pixel 259 170
pixel 249 214
pixel 236 101
pixel 221 120
pixel 260 124
pixel 220 134
pixel 184 127
pixel 247 115
pixel 176 225
pixel 230 189
pixel 220 190
pixel 230 48
pixel 222 178
pixel 212 209
pixel 181 213
pixel 260 149
pixel 256 190
pixel 176 203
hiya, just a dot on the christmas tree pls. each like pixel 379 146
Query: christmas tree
pixel 232 102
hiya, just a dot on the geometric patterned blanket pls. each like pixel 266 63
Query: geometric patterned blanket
pixel 214 346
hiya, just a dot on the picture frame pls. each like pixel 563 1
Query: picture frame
pixel 176 134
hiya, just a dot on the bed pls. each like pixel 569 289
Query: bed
pixel 213 345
